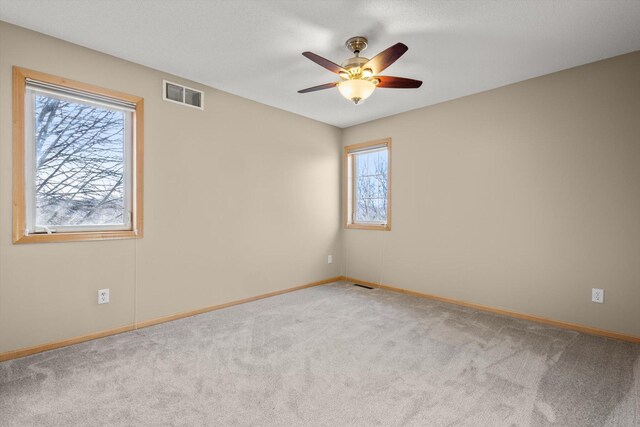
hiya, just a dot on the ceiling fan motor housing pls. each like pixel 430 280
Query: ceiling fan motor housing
pixel 354 64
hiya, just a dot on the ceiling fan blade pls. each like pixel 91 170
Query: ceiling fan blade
pixel 385 58
pixel 323 62
pixel 320 87
pixel 398 82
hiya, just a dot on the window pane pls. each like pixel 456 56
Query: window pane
pixel 381 210
pixel 371 186
pixel 79 163
pixel 365 211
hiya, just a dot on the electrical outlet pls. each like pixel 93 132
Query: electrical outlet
pixel 103 296
pixel 330 259
pixel 597 295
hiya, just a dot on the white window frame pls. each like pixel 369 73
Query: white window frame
pixel 30 171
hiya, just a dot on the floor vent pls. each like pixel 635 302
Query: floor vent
pixel 362 286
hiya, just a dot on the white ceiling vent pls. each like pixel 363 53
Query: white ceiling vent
pixel 179 94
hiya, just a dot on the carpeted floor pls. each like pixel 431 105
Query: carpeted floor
pixel 333 355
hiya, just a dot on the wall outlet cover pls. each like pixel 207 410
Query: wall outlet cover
pixel 597 295
pixel 329 259
pixel 103 296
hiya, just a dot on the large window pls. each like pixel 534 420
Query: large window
pixel 367 185
pixel 77 160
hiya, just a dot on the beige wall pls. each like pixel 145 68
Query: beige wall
pixel 524 198
pixel 240 199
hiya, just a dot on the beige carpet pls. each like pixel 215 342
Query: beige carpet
pixel 334 355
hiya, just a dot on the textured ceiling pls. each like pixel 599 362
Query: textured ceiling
pixel 252 48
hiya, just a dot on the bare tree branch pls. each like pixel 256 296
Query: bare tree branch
pixel 80 163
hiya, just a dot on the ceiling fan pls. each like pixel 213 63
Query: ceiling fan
pixel 359 75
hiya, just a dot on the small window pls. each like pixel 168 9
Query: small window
pixel 77 161
pixel 367 185
pixel 174 92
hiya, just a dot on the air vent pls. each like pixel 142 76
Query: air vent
pixel 179 94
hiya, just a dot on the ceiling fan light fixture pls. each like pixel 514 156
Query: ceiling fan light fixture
pixel 359 75
pixel 356 90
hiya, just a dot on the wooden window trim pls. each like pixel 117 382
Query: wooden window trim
pixel 20 76
pixel 346 191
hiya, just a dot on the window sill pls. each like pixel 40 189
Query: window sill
pixel 385 227
pixel 77 236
